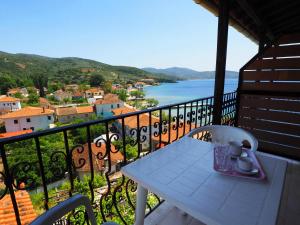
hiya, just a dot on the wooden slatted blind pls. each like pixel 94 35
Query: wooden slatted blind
pixel 269 97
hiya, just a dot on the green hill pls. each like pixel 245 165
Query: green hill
pixel 20 69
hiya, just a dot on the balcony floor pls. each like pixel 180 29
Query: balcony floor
pixel 289 212
pixel 167 214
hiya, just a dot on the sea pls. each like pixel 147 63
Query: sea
pixel 169 93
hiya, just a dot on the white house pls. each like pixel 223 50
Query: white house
pixel 105 106
pixel 33 118
pixel 9 104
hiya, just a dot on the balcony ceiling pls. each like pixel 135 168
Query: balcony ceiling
pixel 257 19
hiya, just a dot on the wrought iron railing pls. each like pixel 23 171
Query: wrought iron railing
pixel 87 158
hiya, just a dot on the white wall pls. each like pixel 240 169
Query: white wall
pixel 37 122
pixel 10 106
pixel 106 109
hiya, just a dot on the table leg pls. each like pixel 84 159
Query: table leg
pixel 140 205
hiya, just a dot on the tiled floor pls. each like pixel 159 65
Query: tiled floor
pixel 167 214
pixel 289 213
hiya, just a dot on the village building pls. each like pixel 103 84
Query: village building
pixel 9 104
pixel 45 103
pixel 139 85
pixel 68 114
pixel 149 81
pixel 94 93
pixel 77 95
pixel 61 95
pixel 105 106
pixel 28 118
pixel 116 86
pixel 72 87
pixel 98 157
pixel 13 91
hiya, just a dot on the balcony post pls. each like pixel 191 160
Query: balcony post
pixel 221 60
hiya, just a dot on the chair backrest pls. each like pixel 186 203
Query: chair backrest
pixel 225 134
pixel 63 208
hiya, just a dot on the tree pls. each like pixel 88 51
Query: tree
pixel 18 95
pixel 79 135
pixel 137 94
pixel 96 80
pixel 23 160
pixel 122 94
pixel 130 151
pixel 40 81
pixel 33 99
pixel 6 82
pixel 54 87
pixel 152 102
pixel 107 86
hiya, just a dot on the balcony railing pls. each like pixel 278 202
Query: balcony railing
pixel 86 158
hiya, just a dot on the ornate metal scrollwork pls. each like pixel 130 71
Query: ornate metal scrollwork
pixel 80 161
pixel 20 173
pixel 58 172
pixel 4 191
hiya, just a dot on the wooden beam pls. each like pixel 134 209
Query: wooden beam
pixel 221 60
pixel 252 14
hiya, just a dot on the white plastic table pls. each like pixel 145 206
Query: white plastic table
pixel 182 173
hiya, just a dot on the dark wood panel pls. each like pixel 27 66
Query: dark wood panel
pixel 278 149
pixel 289 38
pixel 285 128
pixel 288 75
pixel 271 86
pixel 276 138
pixel 285 63
pixel 270 115
pixel 282 51
pixel 269 103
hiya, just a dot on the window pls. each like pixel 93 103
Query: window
pixel 49 117
pixel 16 121
pixel 118 105
pixel 32 128
pixel 112 106
pixel 14 103
pixel 86 115
pixel 28 120
pixel 24 128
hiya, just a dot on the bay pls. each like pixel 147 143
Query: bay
pixel 169 93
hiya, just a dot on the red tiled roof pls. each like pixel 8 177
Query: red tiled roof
pixel 173 133
pixel 64 111
pixel 28 111
pixel 85 109
pixel 131 121
pixel 15 133
pixel 108 99
pixel 9 99
pixel 26 210
pixel 97 163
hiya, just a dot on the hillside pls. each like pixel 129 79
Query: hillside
pixel 185 73
pixel 22 67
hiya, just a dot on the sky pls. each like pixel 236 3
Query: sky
pixel 140 33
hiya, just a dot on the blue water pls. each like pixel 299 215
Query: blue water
pixel 168 93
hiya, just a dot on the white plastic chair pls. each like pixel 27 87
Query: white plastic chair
pixel 226 134
pixel 63 208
